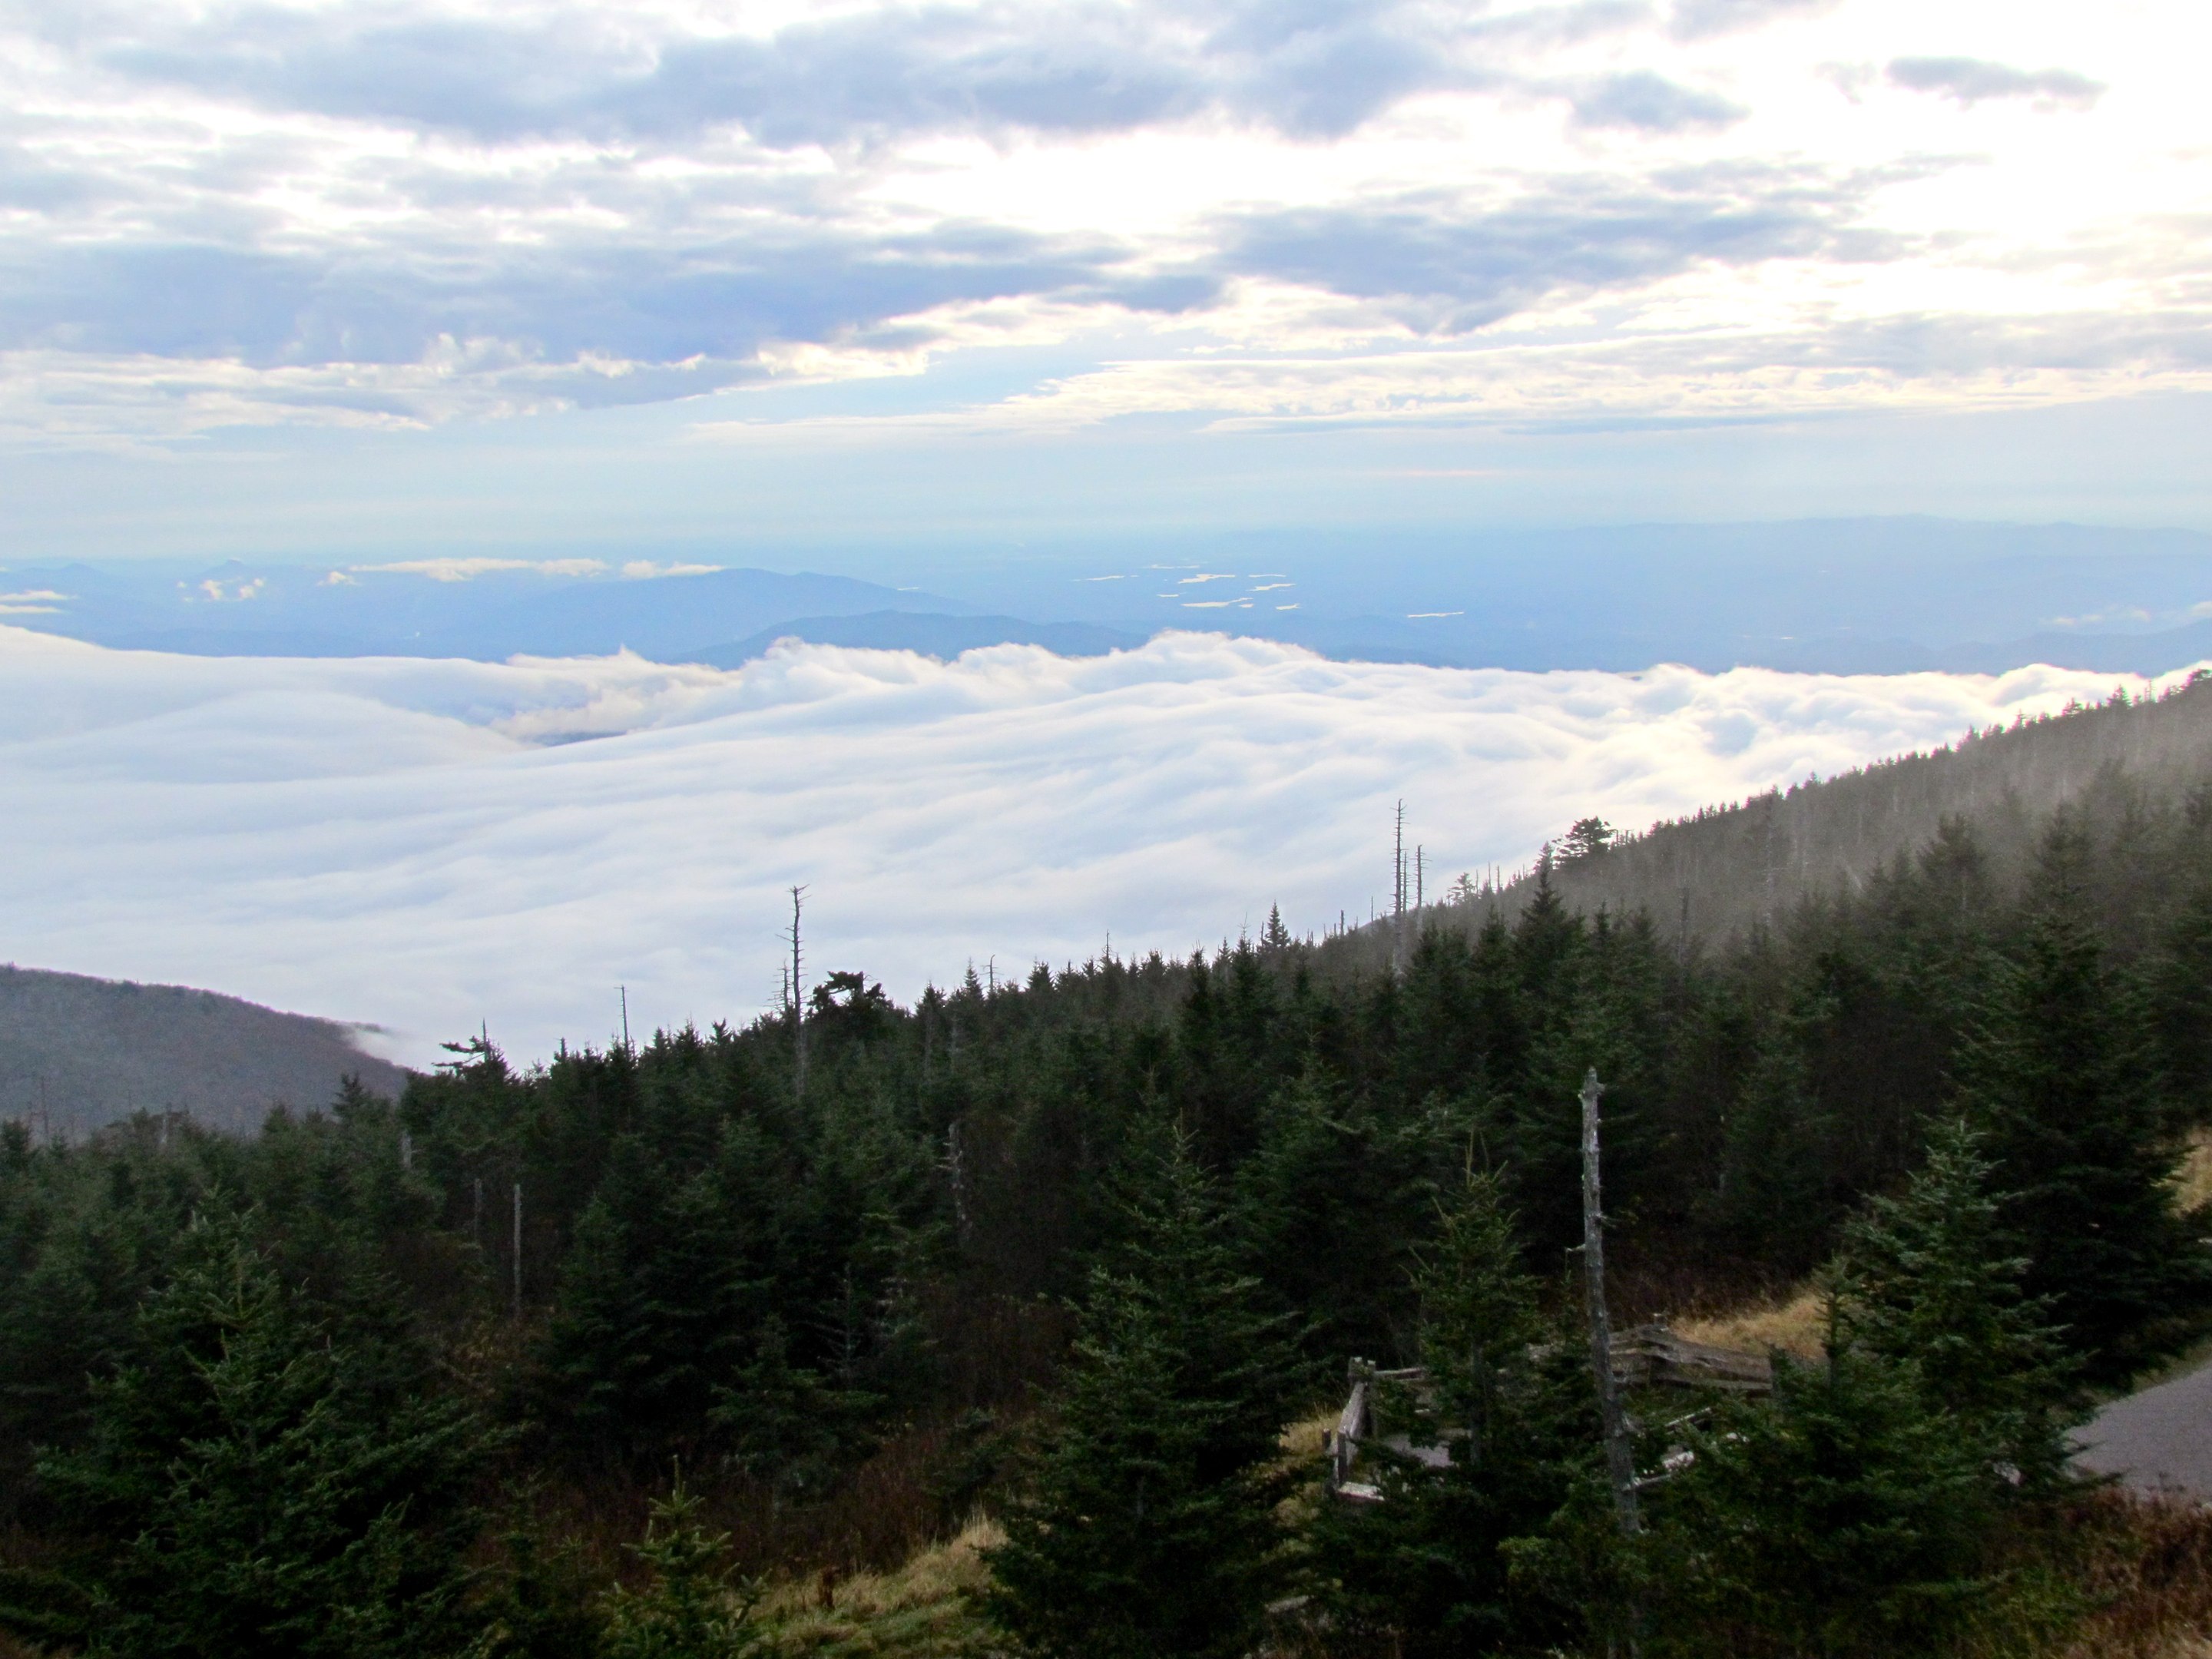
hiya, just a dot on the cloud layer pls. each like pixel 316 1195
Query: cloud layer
pixel 389 212
pixel 427 844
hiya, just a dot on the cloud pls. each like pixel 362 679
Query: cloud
pixel 1532 379
pixel 1442 265
pixel 1972 79
pixel 1646 102
pixel 383 213
pixel 1318 68
pixel 1702 20
pixel 430 843
pixel 619 321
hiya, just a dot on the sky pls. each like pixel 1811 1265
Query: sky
pixel 818 283
pixel 430 844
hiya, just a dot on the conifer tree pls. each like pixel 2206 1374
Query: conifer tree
pixel 1923 1278
pixel 1432 1565
pixel 1149 1531
pixel 1842 1518
pixel 2062 1085
pixel 1328 1207
pixel 644 1328
pixel 690 1609
pixel 259 1489
pixel 547 1604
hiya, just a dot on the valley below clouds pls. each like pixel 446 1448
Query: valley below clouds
pixel 431 844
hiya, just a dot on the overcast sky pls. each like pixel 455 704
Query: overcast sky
pixel 311 275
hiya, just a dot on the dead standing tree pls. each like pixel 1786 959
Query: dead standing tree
pixel 1619 1456
pixel 1620 1453
pixel 798 1002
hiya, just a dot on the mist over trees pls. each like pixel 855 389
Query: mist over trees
pixel 1727 868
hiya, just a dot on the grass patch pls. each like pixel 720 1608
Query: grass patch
pixel 2149 1576
pixel 1797 1324
pixel 2192 1180
pixel 921 1610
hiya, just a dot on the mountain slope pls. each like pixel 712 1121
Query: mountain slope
pixel 86 1052
pixel 1730 867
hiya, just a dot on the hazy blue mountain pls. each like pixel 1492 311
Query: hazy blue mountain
pixel 2159 653
pixel 1861 596
pixel 237 609
pixel 1852 596
pixel 86 1052
pixel 932 636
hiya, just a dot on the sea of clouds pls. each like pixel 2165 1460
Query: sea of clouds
pixel 428 845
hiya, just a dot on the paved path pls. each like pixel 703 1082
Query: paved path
pixel 2159 1440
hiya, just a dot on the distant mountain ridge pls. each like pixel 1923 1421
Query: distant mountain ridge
pixel 932 636
pixel 286 610
pixel 1875 596
pixel 78 1053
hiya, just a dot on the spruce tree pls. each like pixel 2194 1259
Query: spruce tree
pixel 1923 1278
pixel 2061 1084
pixel 1431 1567
pixel 690 1608
pixel 1149 1529
pixel 1844 1518
pixel 1329 1207
pixel 646 1326
pixel 258 1488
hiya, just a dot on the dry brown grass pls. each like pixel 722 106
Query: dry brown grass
pixel 2193 1182
pixel 921 1610
pixel 2148 1571
pixel 1304 1441
pixel 1796 1324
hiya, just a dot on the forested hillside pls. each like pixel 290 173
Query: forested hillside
pixel 78 1053
pixel 413 1375
pixel 1731 867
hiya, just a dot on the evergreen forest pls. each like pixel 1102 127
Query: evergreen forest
pixel 694 1346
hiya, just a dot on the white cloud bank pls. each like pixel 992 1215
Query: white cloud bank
pixel 425 844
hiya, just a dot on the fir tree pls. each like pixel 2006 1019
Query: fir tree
pixel 546 1602
pixel 1149 1531
pixel 1431 1567
pixel 1923 1278
pixel 1843 1519
pixel 2063 1088
pixel 690 1609
pixel 645 1329
pixel 1327 1207
pixel 256 1486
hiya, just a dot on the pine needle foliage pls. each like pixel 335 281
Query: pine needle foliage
pixel 690 1609
pixel 1843 1520
pixel 1150 1529
pixel 1435 1567
pixel 1924 1277
pixel 257 1488
pixel 2060 1079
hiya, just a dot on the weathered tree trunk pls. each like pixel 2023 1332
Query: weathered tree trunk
pixel 1619 1457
